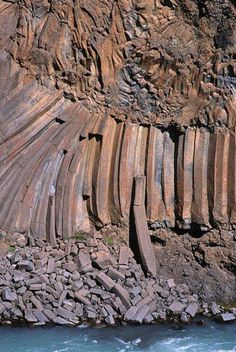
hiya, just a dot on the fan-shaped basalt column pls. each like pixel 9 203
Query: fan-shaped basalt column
pixel 63 170
pixel 89 95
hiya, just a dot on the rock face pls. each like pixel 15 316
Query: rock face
pixel 94 94
pixel 89 93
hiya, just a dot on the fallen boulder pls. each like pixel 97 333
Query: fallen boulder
pixel 84 262
pixel 105 280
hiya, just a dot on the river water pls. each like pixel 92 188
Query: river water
pixel 155 338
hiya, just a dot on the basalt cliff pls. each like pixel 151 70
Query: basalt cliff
pixel 118 117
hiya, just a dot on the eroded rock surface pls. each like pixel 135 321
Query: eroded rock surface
pixel 93 94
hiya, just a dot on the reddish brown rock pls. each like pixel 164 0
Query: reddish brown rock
pixel 94 94
pixel 143 237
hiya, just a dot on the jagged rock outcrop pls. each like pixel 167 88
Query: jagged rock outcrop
pixel 93 94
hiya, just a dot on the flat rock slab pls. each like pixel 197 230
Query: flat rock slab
pixel 192 309
pixel 82 298
pixel 66 314
pixel 49 314
pixel 29 317
pixel 142 313
pixel 84 262
pixel 41 317
pixel 123 294
pixel 115 274
pixel 227 317
pixel 110 320
pixel 104 260
pixel 124 254
pixel 215 309
pixel 2 308
pixel 19 276
pixel 8 295
pixel 61 321
pixel 51 265
pixel 105 280
pixel 26 265
pixel 36 302
pixel 131 314
pixel 176 307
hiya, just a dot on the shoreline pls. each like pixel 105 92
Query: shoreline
pixel 197 321
pixel 91 282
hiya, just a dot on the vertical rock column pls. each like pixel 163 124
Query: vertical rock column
pixel 184 179
pixel 154 175
pixel 220 210
pixel 143 237
pixel 232 179
pixel 200 211
pixel 168 180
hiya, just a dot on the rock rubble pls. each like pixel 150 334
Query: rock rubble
pixel 65 286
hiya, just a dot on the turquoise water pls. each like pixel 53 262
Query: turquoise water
pixel 208 338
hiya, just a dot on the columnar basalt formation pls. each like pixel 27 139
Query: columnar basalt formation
pixel 94 94
pixel 75 175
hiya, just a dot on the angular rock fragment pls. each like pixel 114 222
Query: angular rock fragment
pixel 131 314
pixel 35 287
pixel 176 307
pixel 81 298
pixel 123 294
pixel 192 309
pixel 118 305
pixel 84 262
pixel 64 313
pixel 19 276
pixel 8 295
pixel 124 254
pixel 115 274
pixel 109 310
pixel 41 317
pixel 36 302
pixel 110 320
pixel 26 265
pixel 78 310
pixel 29 317
pixel 62 297
pixel 2 308
pixel 104 260
pixel 215 309
pixel 51 265
pixel 91 283
pixel 227 317
pixel 105 280
pixel 91 315
pixel 49 314
pixel 61 321
pixel 171 283
pixel 142 313
pixel 136 300
pixel 145 301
